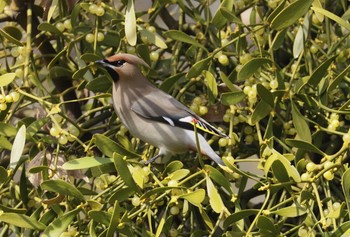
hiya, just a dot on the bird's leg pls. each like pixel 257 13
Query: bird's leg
pixel 152 159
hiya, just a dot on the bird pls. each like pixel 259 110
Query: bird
pixel 152 115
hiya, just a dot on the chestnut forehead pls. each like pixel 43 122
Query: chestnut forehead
pixel 116 58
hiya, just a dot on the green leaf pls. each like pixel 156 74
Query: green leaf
pixel 198 67
pixel 304 145
pixel 52 9
pixel 342 230
pixel 290 14
pixel 183 37
pixel 124 172
pixel 279 171
pixel 99 84
pixel 90 57
pixel 276 11
pixel 47 27
pixel 4 143
pixel 218 177
pixel 338 79
pixel 130 23
pixel 10 38
pixel 7 130
pixel 170 82
pixel 21 220
pixel 266 226
pixel 265 95
pixel 86 163
pixel 153 38
pixel 3 174
pixel 252 67
pixel 14 32
pixel 211 83
pixel 115 219
pixel 7 78
pixel 121 195
pixel 262 109
pixel 18 146
pixel 35 126
pixel 346 186
pixel 218 19
pixel 232 98
pixel 173 166
pixel 228 83
pixel 291 211
pixel 279 39
pixel 179 174
pixel 195 198
pixel 62 187
pixel 58 226
pixel 332 16
pixel 292 171
pixel 300 124
pixel 319 73
pixel 235 217
pixel 230 16
pixel 215 200
pixel 100 217
pixel 108 147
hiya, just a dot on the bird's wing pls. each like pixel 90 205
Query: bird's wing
pixel 161 107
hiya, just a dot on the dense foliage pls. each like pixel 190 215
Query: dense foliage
pixel 273 75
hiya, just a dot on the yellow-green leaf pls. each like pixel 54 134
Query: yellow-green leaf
pixel 332 16
pixel 21 220
pixel 214 197
pixel 195 198
pixel 86 162
pixel 7 78
pixel 153 38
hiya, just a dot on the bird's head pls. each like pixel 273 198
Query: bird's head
pixel 122 66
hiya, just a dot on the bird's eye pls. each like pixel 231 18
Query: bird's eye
pixel 118 63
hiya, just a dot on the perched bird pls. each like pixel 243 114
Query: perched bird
pixel 152 115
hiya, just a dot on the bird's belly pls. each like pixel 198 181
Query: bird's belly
pixel 168 138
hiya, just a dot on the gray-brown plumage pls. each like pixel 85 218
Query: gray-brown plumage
pixel 152 115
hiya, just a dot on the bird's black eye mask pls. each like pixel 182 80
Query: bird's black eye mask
pixel 109 66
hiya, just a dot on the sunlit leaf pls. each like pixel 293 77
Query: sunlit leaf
pixel 7 78
pixel 130 23
pixel 211 83
pixel 195 198
pixel 18 146
pixel 198 67
pixel 21 220
pixel 332 16
pixel 153 38
pixel 85 163
pixel 291 211
pixel 298 44
pixel 214 197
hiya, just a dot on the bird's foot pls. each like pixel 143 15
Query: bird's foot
pixel 152 159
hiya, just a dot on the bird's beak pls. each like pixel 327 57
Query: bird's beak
pixel 101 62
